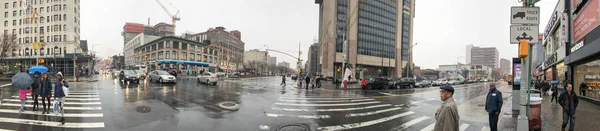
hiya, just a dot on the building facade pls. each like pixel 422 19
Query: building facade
pixel 42 29
pixel 554 44
pixel 284 64
pixel 468 55
pixel 272 60
pixel 134 43
pixel 254 55
pixel 175 48
pixel 378 34
pixel 505 65
pixel 230 46
pixel 313 59
pixel 487 56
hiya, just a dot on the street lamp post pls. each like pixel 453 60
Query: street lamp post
pixel 408 64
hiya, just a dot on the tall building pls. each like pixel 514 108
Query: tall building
pixel 165 52
pixel 133 43
pixel 131 30
pixel 487 56
pixel 272 61
pixel 468 55
pixel 42 29
pixel 313 59
pixel 254 55
pixel 378 35
pixel 228 42
pixel 505 65
pixel 284 64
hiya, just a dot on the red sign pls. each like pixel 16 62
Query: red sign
pixel 586 20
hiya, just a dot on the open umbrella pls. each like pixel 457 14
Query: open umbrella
pixel 22 80
pixel 40 69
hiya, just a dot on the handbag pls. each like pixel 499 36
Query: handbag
pixel 56 107
pixel 65 91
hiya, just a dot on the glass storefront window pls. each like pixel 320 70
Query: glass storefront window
pixel 590 74
pixel 560 74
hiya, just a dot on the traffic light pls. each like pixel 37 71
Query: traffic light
pixel 523 48
pixel 41 45
pixel 34 46
pixel 298 58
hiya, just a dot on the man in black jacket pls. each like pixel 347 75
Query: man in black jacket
pixel 568 100
pixel 493 105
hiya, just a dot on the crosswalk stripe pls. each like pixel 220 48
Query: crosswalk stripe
pixel 485 129
pixel 53 124
pixel 79 96
pixel 300 116
pixel 339 109
pixel 305 101
pixel 363 124
pixel 6 130
pixel 69 98
pixel 463 127
pixel 80 92
pixel 321 98
pixel 429 128
pixel 5 85
pixel 412 122
pixel 66 107
pixel 66 103
pixel 16 111
pixel 343 104
pixel 372 112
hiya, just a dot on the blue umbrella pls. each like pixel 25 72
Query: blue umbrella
pixel 40 69
pixel 22 80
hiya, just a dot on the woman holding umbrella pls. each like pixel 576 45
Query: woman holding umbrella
pixel 23 82
pixel 60 94
pixel 35 90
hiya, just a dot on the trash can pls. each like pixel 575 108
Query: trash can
pixel 535 109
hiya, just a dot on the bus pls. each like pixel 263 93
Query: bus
pixel 142 68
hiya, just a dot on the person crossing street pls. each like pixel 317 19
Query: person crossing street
pixel 283 80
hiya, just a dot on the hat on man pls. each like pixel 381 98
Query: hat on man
pixel 448 88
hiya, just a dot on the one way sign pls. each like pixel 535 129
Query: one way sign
pixel 529 32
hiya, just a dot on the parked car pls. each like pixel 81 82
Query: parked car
pixel 452 82
pixel 377 83
pixel 161 76
pixel 129 75
pixel 444 82
pixel 436 83
pixel 405 82
pixel 141 74
pixel 294 77
pixel 208 78
pixel 472 81
pixel 220 74
pixel 423 83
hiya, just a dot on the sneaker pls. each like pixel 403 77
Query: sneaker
pixel 62 120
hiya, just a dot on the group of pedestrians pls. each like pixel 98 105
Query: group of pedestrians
pixel 42 87
pixel 314 81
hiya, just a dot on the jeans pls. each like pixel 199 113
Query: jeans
pixel 282 83
pixel 554 98
pixel 568 119
pixel 35 101
pixel 44 99
pixel 493 119
pixel 22 105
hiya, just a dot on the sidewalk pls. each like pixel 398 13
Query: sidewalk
pixel 586 116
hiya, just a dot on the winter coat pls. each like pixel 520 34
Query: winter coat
pixel 448 118
pixel 35 87
pixel 23 93
pixel 46 87
pixel 569 102
pixel 58 91
pixel 493 102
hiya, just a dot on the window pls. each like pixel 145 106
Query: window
pixel 14 4
pixel 14 31
pixel 65 17
pixel 5 5
pixel 14 22
pixel 65 7
pixel 65 37
pixel 41 10
pixel 14 13
pixel 65 27
pixel 41 38
pixel 168 44
pixel 6 14
pixel 5 23
pixel 42 19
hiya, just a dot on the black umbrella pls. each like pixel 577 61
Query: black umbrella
pixel 22 80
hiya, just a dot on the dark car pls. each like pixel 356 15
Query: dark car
pixel 294 77
pixel 404 82
pixel 129 75
pixel 377 83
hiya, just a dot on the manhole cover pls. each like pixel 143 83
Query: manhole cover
pixel 229 105
pixel 293 128
pixel 143 109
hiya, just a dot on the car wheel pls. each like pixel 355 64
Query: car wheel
pixel 198 80
pixel 214 83
pixel 160 80
pixel 207 81
pixel 410 86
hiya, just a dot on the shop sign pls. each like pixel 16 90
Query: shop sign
pixel 551 24
pixel 591 77
pixel 550 60
pixel 592 84
pixel 578 45
pixel 586 20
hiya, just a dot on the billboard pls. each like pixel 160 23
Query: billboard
pixel 516 71
pixel 586 20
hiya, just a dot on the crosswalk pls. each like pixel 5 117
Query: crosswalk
pixel 83 110
pixel 349 112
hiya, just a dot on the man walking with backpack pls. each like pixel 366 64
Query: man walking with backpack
pixel 568 100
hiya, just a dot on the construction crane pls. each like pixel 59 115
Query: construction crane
pixel 174 17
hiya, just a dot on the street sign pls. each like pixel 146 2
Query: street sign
pixel 525 15
pixel 529 32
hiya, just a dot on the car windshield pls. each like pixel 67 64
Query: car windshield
pixel 138 71
pixel 129 72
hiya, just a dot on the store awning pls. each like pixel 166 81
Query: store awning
pixel 183 62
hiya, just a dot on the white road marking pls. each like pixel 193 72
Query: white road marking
pixel 389 94
pixel 53 124
pixel 322 98
pixel 300 116
pixel 372 112
pixel 6 130
pixel 429 128
pixel 16 111
pixel 339 109
pixel 412 122
pixel 305 101
pixel 68 98
pixel 485 129
pixel 79 96
pixel 463 127
pixel 66 107
pixel 5 85
pixel 71 91
pixel 343 104
pixel 363 124
pixel 66 103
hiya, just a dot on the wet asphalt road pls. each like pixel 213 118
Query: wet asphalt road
pixel 263 105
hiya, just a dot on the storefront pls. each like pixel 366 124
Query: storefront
pixel 588 72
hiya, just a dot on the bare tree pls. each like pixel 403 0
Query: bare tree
pixel 8 44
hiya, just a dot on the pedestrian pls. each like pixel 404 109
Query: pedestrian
pixel 568 100
pixel 446 116
pixel 363 84
pixel 319 81
pixel 307 79
pixel 23 96
pixel 313 82
pixel 35 90
pixel 283 80
pixel 493 105
pixel 554 90
pixel 46 92
pixel 60 94
pixel 583 87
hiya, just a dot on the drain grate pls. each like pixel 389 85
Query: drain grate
pixel 293 128
pixel 143 109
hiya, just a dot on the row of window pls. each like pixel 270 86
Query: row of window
pixel 377 29
pixel 31 52
pixel 173 45
pixel 342 19
pixel 53 38
pixel 41 11
pixel 51 18
pixel 168 55
pixel 34 2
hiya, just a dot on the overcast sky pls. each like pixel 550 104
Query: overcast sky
pixel 442 28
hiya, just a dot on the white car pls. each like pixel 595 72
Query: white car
pixel 161 76
pixel 208 78
pixel 452 82
pixel 444 82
